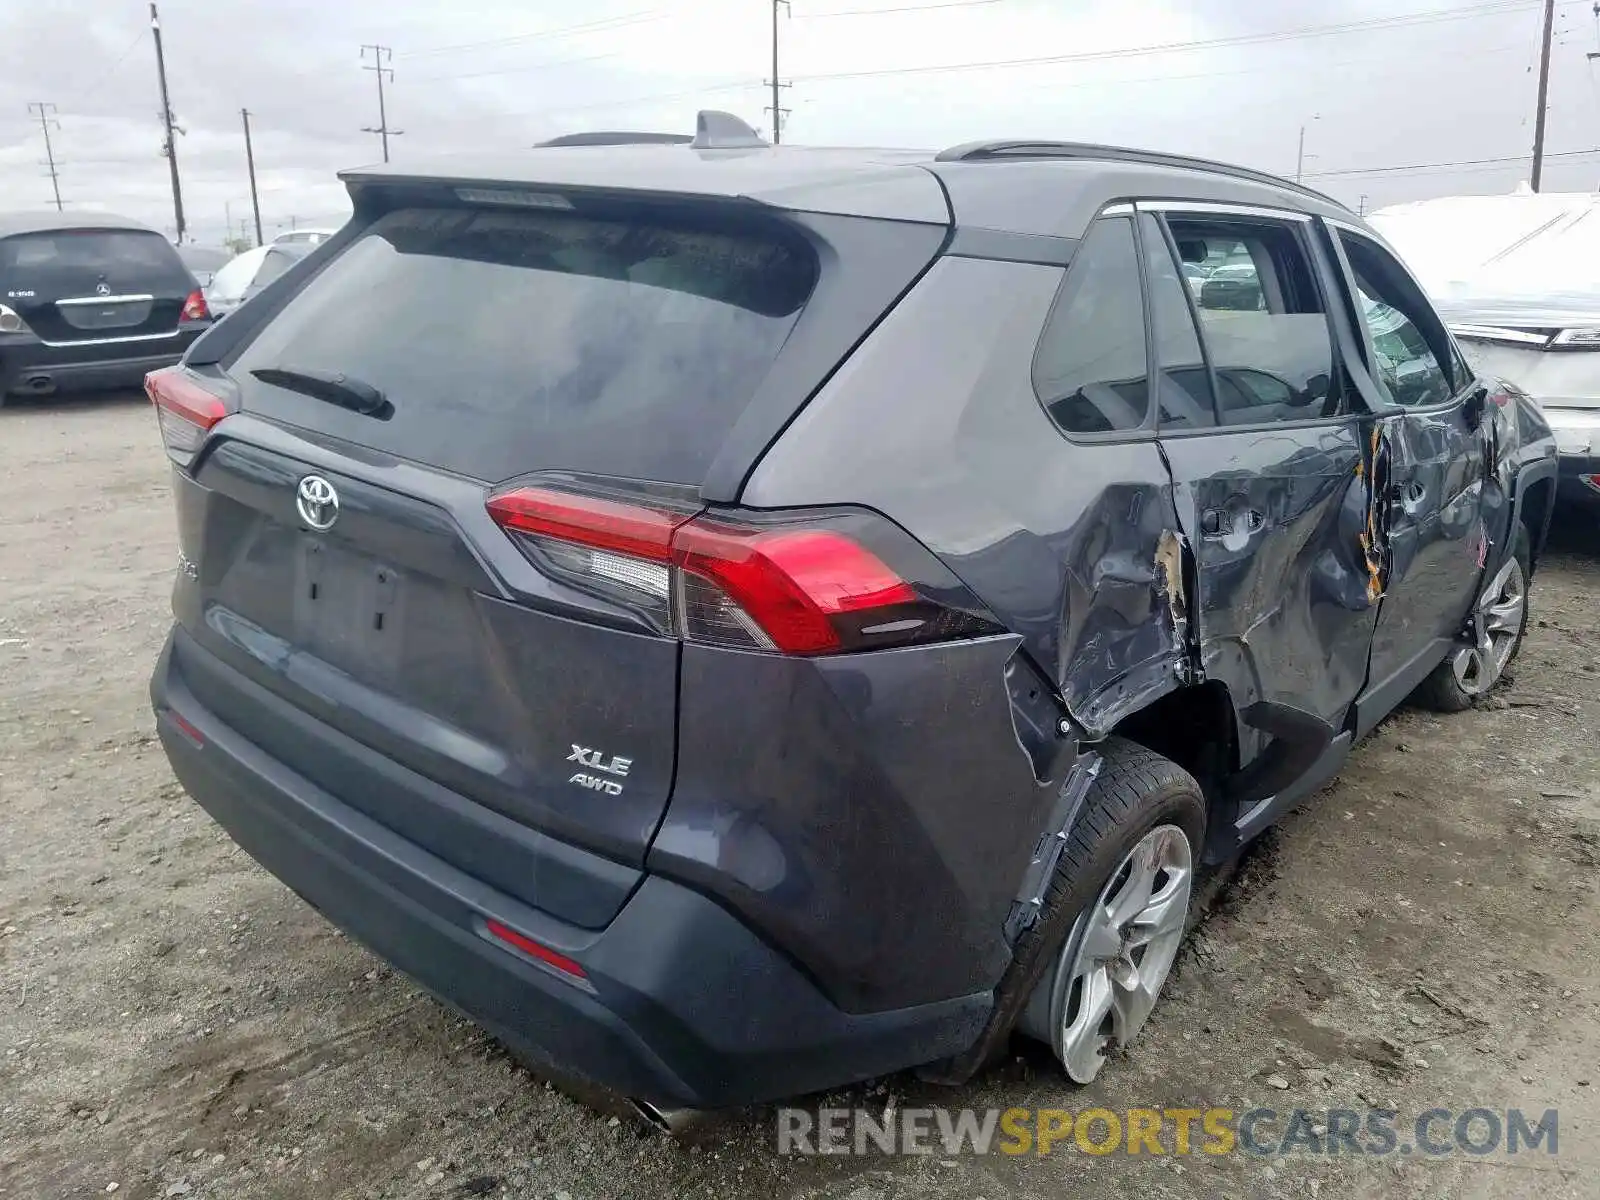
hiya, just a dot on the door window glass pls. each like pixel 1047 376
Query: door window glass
pixel 1262 317
pixel 1090 369
pixel 1395 313
pixel 1183 385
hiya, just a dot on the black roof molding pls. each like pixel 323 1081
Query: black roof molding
pixel 618 137
pixel 1000 151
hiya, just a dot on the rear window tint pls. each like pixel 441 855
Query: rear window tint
pixel 68 256
pixel 516 341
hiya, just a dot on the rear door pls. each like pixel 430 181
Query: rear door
pixel 83 285
pixel 346 560
pixel 1437 454
pixel 1267 447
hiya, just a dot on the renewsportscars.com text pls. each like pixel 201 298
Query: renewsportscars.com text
pixel 1266 1132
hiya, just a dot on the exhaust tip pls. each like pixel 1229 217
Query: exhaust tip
pixel 39 385
pixel 674 1122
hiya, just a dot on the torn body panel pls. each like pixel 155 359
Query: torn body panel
pixel 1284 554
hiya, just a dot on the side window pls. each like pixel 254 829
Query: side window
pixel 1183 385
pixel 1090 369
pixel 1396 314
pixel 1262 318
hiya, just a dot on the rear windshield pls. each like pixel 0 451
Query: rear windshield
pixel 66 261
pixel 515 341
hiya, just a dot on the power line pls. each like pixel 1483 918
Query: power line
pixel 380 55
pixel 44 109
pixel 1403 168
pixel 542 66
pixel 880 12
pixel 1317 31
pixel 603 25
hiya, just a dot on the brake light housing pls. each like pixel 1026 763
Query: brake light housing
pixel 185 411
pixel 194 307
pixel 10 320
pixel 811 583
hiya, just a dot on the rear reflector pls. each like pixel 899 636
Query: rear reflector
pixel 187 728
pixel 533 949
pixel 185 411
pixel 1592 480
pixel 806 585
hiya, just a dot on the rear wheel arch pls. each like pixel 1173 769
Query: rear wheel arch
pixel 1195 726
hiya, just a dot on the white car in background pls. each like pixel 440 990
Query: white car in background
pixel 308 237
pixel 1517 277
pixel 248 273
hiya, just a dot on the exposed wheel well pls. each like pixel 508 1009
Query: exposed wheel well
pixel 1534 512
pixel 1194 727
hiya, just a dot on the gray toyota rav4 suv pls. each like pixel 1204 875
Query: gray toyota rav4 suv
pixel 736 620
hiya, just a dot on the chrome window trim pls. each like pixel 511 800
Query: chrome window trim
pixel 112 341
pixel 1223 208
pixel 130 299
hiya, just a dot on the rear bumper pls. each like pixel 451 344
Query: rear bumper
pixel 683 1004
pixel 29 366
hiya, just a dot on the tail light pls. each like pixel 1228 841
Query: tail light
pixel 10 321
pixel 194 308
pixel 185 411
pixel 821 583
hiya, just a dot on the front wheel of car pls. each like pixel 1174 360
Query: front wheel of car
pixel 1474 668
pixel 1139 838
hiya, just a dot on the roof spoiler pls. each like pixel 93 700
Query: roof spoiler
pixel 713 130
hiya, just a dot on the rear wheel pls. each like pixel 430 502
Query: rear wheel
pixel 1472 669
pixel 1139 837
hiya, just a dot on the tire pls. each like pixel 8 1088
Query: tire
pixel 1469 673
pixel 1140 801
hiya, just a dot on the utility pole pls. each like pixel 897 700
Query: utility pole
pixel 169 148
pixel 380 55
pixel 1300 158
pixel 45 121
pixel 777 109
pixel 1361 209
pixel 250 160
pixel 1544 95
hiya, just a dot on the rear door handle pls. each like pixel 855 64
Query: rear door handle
pixel 1220 522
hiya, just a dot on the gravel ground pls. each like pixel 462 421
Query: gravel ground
pixel 176 1023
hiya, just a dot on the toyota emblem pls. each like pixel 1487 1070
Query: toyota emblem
pixel 102 288
pixel 317 502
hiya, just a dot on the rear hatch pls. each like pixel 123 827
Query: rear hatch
pixel 80 285
pixel 347 560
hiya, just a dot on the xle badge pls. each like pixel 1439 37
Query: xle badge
pixel 596 760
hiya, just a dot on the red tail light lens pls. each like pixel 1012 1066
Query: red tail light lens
pixel 194 308
pixel 816 585
pixel 185 412
pixel 791 583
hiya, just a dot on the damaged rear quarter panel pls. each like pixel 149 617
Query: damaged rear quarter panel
pixel 934 422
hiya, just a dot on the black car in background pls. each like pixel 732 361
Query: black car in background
pixel 90 301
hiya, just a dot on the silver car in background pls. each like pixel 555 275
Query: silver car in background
pixel 1517 277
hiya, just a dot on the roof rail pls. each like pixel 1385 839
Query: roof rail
pixel 995 151
pixel 617 137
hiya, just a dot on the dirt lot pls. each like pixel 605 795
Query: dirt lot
pixel 176 1023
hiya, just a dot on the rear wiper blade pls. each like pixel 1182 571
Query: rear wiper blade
pixel 332 386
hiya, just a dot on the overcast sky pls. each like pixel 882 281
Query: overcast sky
pixel 1378 84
